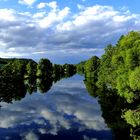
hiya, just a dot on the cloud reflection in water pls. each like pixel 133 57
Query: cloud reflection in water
pixel 67 107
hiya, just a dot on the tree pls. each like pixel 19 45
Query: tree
pixel 44 68
pixel 134 79
pixel 69 70
pixel 31 69
pixel 119 67
pixel 91 67
pixel 105 76
pixel 80 67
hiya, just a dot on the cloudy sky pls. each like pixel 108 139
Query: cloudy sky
pixel 64 30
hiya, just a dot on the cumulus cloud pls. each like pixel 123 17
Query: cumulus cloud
pixel 58 29
pixel 7 15
pixel 27 2
pixel 54 17
pixel 41 5
pixel 52 5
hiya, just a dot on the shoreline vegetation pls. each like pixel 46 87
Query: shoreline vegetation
pixel 117 73
pixel 114 79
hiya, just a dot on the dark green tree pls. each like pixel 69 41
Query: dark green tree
pixel 80 67
pixel 91 67
pixel 31 69
pixel 44 68
pixel 69 70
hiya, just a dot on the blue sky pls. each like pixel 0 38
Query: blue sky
pixel 64 30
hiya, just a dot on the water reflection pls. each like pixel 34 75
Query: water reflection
pixel 11 88
pixel 44 84
pixel 31 84
pixel 111 106
pixel 65 112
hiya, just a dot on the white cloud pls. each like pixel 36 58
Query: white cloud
pixel 52 5
pixel 41 5
pixel 27 2
pixel 53 17
pixel 97 15
pixel 56 29
pixel 7 15
pixel 63 13
pixel 39 15
pixel 48 21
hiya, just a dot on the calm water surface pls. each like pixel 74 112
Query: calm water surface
pixel 65 112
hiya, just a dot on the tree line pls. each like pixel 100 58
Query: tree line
pixel 27 68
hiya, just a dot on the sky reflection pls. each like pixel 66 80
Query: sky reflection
pixel 65 111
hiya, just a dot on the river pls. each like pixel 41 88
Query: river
pixel 65 112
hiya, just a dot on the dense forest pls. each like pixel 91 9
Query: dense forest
pixel 114 79
pixel 117 73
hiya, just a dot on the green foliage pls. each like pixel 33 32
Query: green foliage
pixel 31 68
pixel 134 79
pixel 44 68
pixel 91 67
pixel 128 41
pixel 132 117
pixel 80 67
pixel 105 69
pixel 2 62
pixel 15 67
pixel 58 70
pixel 69 70
pixel 119 67
pixel 135 133
pixel 123 87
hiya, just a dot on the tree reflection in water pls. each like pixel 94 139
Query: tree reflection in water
pixel 112 107
pixel 13 88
